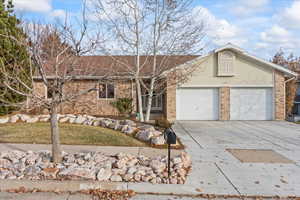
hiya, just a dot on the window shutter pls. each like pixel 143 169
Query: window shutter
pixel 226 61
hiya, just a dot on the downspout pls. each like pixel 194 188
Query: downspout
pixel 285 82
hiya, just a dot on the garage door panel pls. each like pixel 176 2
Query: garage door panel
pixel 197 104
pixel 251 104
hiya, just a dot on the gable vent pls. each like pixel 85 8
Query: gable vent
pixel 226 61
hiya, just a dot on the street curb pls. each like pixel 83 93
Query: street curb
pixel 139 188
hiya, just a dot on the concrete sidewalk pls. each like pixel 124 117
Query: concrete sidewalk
pixel 109 150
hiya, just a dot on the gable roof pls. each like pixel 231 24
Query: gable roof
pixel 240 51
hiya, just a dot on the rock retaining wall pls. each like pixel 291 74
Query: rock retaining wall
pixel 146 133
pixel 93 166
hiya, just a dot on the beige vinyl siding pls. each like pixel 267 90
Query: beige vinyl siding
pixel 246 73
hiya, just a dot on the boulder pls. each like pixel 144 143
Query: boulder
pixel 64 119
pixel 14 119
pixel 128 129
pixel 96 123
pixel 128 177
pixel 4 163
pixel 77 174
pixel 46 119
pixel 114 125
pixel 157 166
pixel 116 178
pixel 144 135
pixel 71 115
pixel 105 123
pixel 104 174
pixel 79 120
pixel 24 117
pixel 72 120
pixel 33 119
pixel 160 140
pixel 120 163
pixel 131 170
pixel 4 120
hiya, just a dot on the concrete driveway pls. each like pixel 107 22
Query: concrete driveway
pixel 217 171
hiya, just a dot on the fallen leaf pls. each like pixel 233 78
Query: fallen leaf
pixel 278 186
pixel 283 181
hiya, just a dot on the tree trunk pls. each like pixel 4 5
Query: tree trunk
pixel 140 102
pixel 149 102
pixel 56 149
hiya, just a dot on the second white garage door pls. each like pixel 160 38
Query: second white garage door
pixel 251 104
pixel 197 104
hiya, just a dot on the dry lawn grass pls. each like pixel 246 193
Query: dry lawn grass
pixel 72 134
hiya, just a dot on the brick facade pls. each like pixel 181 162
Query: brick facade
pixel 90 103
pixel 170 99
pixel 224 101
pixel 279 95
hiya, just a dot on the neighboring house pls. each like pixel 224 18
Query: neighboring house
pixel 296 110
pixel 228 84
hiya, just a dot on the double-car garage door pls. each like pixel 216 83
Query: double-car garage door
pixel 204 103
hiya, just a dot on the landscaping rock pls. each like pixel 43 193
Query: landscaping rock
pixel 14 119
pixel 24 117
pixel 104 174
pixel 4 163
pixel 128 129
pixel 4 120
pixel 46 119
pixel 79 120
pixel 116 178
pixel 32 120
pixel 144 135
pixel 96 123
pixel 157 165
pixel 93 166
pixel 72 120
pixel 160 140
pixel 64 119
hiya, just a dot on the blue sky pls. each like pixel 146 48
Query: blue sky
pixel 261 27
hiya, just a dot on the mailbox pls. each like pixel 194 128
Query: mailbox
pixel 170 136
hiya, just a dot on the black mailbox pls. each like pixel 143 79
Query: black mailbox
pixel 170 136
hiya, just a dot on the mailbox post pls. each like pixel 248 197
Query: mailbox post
pixel 170 138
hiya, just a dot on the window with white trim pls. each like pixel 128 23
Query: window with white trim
pixel 106 91
pixel 226 61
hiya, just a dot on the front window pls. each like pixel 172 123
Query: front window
pixel 106 91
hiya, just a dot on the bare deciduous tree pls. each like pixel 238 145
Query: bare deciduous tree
pixel 292 63
pixel 156 33
pixel 56 59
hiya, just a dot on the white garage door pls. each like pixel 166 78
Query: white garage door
pixel 251 104
pixel 197 104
